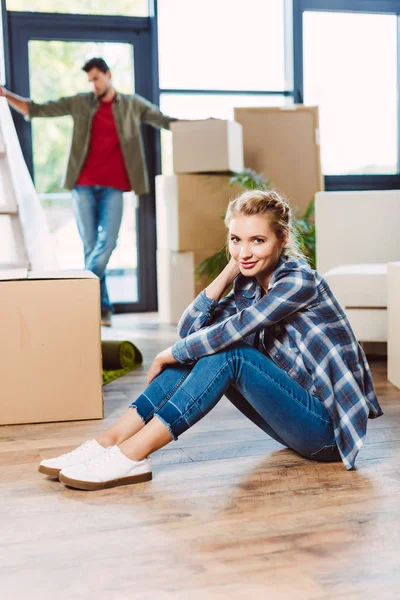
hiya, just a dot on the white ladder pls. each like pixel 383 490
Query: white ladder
pixel 25 240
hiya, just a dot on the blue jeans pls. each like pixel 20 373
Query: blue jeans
pixel 181 395
pixel 98 212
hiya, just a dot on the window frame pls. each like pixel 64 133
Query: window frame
pixel 138 31
pixel 346 182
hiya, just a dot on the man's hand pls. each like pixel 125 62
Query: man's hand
pixel 18 103
pixel 162 360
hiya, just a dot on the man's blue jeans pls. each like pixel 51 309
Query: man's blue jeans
pixel 181 395
pixel 98 212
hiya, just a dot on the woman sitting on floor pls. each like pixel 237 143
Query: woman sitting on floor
pixel 278 346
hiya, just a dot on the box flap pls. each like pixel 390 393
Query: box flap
pixel 13 274
pixel 62 274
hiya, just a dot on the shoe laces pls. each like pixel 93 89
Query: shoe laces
pixel 78 450
pixel 101 458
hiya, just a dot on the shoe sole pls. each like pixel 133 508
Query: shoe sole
pixel 102 485
pixel 49 471
pixel 106 324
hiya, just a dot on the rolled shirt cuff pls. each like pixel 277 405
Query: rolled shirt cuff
pixel 179 352
pixel 204 304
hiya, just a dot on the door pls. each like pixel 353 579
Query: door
pixel 50 60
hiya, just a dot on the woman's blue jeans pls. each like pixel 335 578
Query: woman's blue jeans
pixel 98 212
pixel 181 395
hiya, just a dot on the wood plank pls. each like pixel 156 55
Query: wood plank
pixel 229 514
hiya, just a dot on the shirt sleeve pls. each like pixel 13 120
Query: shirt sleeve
pixel 292 292
pixel 53 108
pixel 205 311
pixel 151 114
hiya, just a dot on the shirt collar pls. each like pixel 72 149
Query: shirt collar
pixel 250 288
pixel 96 101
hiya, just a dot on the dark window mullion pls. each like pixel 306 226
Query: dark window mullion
pixel 398 89
pixel 227 92
pixel 360 6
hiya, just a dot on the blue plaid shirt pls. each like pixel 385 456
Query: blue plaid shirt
pixel 300 325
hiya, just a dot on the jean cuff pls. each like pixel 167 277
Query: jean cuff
pixel 167 425
pixel 144 418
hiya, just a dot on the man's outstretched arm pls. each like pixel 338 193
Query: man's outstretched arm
pixel 20 104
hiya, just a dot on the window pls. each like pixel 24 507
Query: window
pixel 128 8
pixel 221 45
pixel 350 73
pixel 55 69
pixel 210 47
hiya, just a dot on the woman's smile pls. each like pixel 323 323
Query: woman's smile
pixel 248 264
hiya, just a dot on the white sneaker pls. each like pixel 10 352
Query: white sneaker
pixel 53 466
pixel 109 469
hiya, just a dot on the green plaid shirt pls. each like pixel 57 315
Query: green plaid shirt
pixel 129 112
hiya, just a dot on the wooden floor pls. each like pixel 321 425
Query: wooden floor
pixel 229 513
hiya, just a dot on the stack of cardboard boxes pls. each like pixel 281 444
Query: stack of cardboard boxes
pixel 282 143
pixel 191 205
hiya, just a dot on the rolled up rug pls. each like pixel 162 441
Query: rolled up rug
pixel 119 358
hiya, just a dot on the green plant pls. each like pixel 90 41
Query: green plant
pixel 305 228
pixel 248 179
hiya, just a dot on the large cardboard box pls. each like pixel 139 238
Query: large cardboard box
pixel 177 284
pixel 283 144
pixel 208 146
pixel 190 211
pixel 50 354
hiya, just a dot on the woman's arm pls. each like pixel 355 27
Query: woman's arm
pixel 162 360
pixel 293 291
pixel 216 289
pixel 207 308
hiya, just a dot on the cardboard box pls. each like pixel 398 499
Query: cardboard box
pixel 283 144
pixel 190 211
pixel 177 283
pixel 50 357
pixel 208 146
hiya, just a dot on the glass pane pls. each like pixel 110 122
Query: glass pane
pixel 350 73
pixel 129 8
pixel 54 71
pixel 203 106
pixel 221 45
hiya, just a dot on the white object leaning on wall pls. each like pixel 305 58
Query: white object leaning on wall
pixel 357 235
pixel 25 240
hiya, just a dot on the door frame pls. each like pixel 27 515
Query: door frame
pixel 137 31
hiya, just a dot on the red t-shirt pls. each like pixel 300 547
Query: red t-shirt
pixel 104 164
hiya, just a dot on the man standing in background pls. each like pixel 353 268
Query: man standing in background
pixel 106 159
